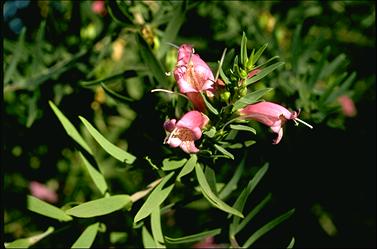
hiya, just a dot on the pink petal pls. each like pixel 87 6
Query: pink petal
pixel 348 106
pixel 169 125
pixel 279 137
pixel 197 100
pixel 175 142
pixel 42 192
pixel 189 147
pixel 192 120
pixel 268 109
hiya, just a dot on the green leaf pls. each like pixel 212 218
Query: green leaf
pixel 211 179
pixel 211 132
pixel 296 47
pixel 96 176
pixel 27 242
pixel 156 227
pixel 18 53
pixel 243 53
pixel 292 243
pixel 331 67
pixel 223 77
pixel 250 98
pixel 249 143
pixel 259 52
pixel 116 95
pixel 224 151
pixel 126 74
pixel 148 240
pixel 193 237
pixel 243 128
pixel 168 164
pixel 210 196
pixel 110 148
pixel 252 214
pixel 263 73
pixel 117 13
pixel 318 68
pixel 100 206
pixel 266 228
pixel 343 87
pixel 46 209
pixel 241 200
pixel 172 28
pixel 156 198
pixel 209 106
pixel 86 239
pixel 189 166
pixel 151 61
pixel 232 184
pixel 69 128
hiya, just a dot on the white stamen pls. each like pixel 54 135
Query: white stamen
pixel 168 73
pixel 301 121
pixel 170 136
pixel 296 124
pixel 168 91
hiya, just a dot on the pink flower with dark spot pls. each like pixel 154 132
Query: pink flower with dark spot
pixel 272 115
pixel 193 76
pixel 42 192
pixel 187 130
pixel 348 107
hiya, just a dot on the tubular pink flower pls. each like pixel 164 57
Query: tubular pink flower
pixel 42 192
pixel 348 107
pixel 272 115
pixel 193 76
pixel 184 132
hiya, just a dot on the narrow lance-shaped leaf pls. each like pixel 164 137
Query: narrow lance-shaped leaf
pixel 224 151
pixel 193 237
pixel 116 95
pixel 110 148
pixel 69 128
pixel 156 227
pixel 27 242
pixel 237 228
pixel 46 209
pixel 210 196
pixel 126 74
pixel 156 198
pixel 96 176
pixel 209 106
pixel 148 240
pixel 243 53
pixel 292 243
pixel 243 128
pixel 18 53
pixel 264 73
pixel 250 98
pixel 241 200
pixel 266 228
pixel 318 68
pixel 232 184
pixel 100 206
pixel 151 61
pixel 168 164
pixel 86 239
pixel 173 27
pixel 189 166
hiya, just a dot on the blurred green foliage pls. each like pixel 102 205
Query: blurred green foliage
pixel 98 65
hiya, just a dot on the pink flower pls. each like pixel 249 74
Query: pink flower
pixel 184 132
pixel 98 7
pixel 348 107
pixel 272 115
pixel 42 192
pixel 193 76
pixel 207 243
